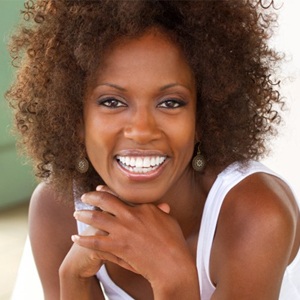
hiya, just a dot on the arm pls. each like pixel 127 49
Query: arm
pixel 77 273
pixel 51 225
pixel 254 239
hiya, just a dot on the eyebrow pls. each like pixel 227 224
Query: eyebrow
pixel 163 88
pixel 115 86
pixel 168 86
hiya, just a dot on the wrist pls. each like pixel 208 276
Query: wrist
pixel 67 277
pixel 74 287
pixel 183 285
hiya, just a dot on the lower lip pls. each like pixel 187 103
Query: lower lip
pixel 142 176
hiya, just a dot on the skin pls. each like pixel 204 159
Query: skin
pixel 49 218
pixel 142 124
pixel 130 109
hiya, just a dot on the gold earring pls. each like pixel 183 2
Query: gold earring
pixel 82 165
pixel 198 162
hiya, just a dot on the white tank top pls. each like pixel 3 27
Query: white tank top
pixel 226 180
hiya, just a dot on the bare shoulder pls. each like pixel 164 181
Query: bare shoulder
pixel 46 204
pixel 264 198
pixel 258 235
pixel 51 225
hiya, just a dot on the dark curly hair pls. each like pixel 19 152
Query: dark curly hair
pixel 59 44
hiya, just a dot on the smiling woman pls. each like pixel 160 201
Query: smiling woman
pixel 144 88
pixel 148 118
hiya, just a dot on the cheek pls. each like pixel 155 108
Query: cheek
pixel 96 138
pixel 98 151
pixel 96 128
pixel 187 151
pixel 184 139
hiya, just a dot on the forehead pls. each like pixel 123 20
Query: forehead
pixel 152 54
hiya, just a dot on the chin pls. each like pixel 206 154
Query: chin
pixel 138 198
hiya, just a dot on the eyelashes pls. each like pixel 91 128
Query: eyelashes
pixel 172 103
pixel 114 103
pixel 111 102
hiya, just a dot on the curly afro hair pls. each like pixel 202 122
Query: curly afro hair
pixel 56 48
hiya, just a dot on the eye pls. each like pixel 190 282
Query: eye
pixel 171 103
pixel 111 103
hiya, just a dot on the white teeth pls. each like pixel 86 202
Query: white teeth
pixel 132 162
pixel 153 161
pixel 141 164
pixel 147 162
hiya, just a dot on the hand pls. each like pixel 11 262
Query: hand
pixel 142 238
pixel 83 262
pixel 76 273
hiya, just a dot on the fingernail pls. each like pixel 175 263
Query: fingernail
pixel 75 238
pixel 83 197
pixel 99 188
pixel 75 214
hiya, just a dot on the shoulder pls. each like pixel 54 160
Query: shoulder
pixel 255 234
pixel 51 225
pixel 260 199
pixel 46 199
pixel 49 209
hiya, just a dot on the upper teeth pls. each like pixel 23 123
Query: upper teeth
pixel 141 162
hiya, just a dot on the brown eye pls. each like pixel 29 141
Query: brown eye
pixel 111 103
pixel 171 103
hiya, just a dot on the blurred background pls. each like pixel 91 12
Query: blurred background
pixel 17 181
pixel 285 157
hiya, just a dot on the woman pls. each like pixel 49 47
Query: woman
pixel 149 116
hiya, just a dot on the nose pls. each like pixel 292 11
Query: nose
pixel 142 128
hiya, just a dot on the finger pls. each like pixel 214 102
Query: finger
pixel 104 200
pixel 164 207
pixel 105 188
pixel 90 230
pixel 95 242
pixel 86 243
pixel 102 221
pixel 106 256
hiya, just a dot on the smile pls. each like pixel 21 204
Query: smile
pixel 141 164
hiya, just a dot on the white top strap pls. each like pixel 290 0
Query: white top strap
pixel 225 181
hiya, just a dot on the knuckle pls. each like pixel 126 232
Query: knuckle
pixel 94 255
pixel 94 216
pixel 96 243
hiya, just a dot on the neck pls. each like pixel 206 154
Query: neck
pixel 187 199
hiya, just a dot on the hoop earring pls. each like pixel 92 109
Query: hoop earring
pixel 198 162
pixel 82 165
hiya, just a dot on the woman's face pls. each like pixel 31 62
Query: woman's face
pixel 139 118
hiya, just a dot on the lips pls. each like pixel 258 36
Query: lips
pixel 141 164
